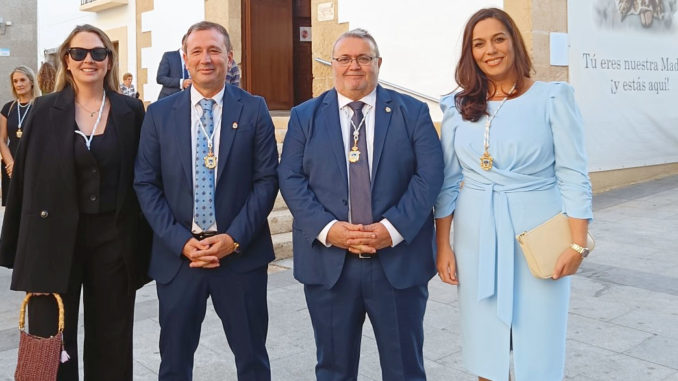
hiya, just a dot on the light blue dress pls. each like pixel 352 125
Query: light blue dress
pixel 540 169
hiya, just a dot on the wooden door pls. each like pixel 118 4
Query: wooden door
pixel 303 60
pixel 268 51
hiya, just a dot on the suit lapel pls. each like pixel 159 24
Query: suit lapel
pixel 230 117
pixel 382 119
pixel 330 125
pixel 123 123
pixel 63 117
pixel 182 130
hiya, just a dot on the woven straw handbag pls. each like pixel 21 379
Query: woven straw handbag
pixel 39 356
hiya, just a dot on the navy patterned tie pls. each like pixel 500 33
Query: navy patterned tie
pixel 203 193
pixel 359 172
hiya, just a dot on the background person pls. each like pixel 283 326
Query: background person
pixel 126 87
pixel 73 221
pixel 46 77
pixel 172 73
pixel 518 147
pixel 13 118
pixel 233 75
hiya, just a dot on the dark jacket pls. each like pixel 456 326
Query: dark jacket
pixel 170 73
pixel 41 220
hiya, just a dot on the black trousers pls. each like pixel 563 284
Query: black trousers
pixel 98 269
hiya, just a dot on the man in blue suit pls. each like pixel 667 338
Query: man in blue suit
pixel 360 170
pixel 206 178
pixel 172 73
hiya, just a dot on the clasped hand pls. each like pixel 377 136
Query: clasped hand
pixel 358 238
pixel 207 252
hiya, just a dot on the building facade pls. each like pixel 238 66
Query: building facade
pixel 18 31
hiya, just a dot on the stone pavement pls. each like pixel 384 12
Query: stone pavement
pixel 623 322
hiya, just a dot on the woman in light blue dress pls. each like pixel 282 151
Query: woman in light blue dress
pixel 528 165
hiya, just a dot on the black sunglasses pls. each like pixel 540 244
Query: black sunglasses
pixel 79 54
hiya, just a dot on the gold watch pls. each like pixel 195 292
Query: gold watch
pixel 584 251
pixel 236 247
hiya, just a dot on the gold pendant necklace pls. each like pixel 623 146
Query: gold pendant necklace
pixel 354 153
pixel 210 159
pixel 486 159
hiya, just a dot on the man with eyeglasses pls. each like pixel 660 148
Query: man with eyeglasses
pixel 360 170
pixel 205 177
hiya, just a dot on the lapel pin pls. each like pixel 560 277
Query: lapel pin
pixel 388 109
pixel 235 125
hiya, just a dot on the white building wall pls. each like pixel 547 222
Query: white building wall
pixel 419 41
pixel 168 22
pixel 56 19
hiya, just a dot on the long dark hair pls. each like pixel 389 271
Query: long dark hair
pixel 471 101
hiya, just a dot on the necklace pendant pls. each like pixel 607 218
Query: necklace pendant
pixel 354 155
pixel 210 160
pixel 486 161
pixel 19 133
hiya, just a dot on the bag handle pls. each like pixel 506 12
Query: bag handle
pixel 22 312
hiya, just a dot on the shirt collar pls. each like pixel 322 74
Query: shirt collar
pixel 370 99
pixel 197 97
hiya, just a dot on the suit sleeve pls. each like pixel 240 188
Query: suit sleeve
pixel 416 204
pixel 264 187
pixel 309 214
pixel 149 187
pixel 165 71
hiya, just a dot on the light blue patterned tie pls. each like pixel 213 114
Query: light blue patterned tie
pixel 203 193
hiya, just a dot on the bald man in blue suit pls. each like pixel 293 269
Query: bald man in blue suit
pixel 360 170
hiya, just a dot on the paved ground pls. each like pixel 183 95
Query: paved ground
pixel 623 315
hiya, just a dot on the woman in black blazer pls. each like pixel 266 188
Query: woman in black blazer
pixel 73 220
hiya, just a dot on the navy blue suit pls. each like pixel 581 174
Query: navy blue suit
pixel 245 190
pixel 170 73
pixel 407 173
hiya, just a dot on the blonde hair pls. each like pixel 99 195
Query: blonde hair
pixel 46 77
pixel 127 75
pixel 25 70
pixel 65 77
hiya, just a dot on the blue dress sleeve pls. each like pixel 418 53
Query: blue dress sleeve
pixel 447 199
pixel 571 164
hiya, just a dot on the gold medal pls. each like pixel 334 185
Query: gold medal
pixel 486 161
pixel 354 155
pixel 210 160
pixel 19 133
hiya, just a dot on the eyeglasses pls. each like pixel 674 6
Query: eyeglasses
pixel 97 54
pixel 361 60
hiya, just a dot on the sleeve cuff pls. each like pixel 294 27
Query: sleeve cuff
pixel 322 236
pixel 396 238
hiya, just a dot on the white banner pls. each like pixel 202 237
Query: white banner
pixel 624 68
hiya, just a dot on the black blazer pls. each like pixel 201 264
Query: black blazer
pixel 41 219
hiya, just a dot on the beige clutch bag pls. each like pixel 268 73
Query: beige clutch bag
pixel 543 245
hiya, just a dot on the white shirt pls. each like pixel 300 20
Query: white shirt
pixel 183 66
pixel 345 115
pixel 196 113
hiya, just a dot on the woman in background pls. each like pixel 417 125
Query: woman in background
pixel 73 221
pixel 518 147
pixel 46 77
pixel 12 119
pixel 126 87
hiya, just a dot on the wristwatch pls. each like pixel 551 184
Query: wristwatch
pixel 236 247
pixel 584 251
